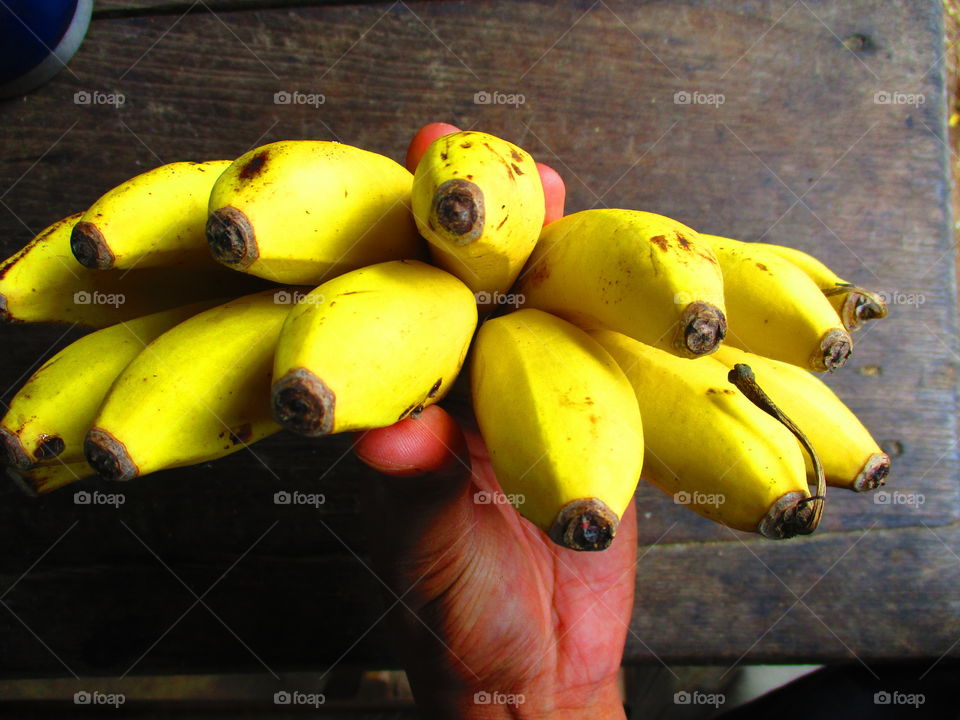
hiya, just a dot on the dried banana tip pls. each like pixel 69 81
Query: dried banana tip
pixel 585 524
pixel 108 456
pixel 703 327
pixel 789 516
pixel 231 238
pixel 303 403
pixel 12 451
pixel 89 247
pixel 874 473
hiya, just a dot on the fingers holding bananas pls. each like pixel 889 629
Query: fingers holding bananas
pixel 613 367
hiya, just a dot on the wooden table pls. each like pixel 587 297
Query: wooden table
pixel 200 571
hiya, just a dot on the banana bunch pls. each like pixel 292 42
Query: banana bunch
pixel 319 288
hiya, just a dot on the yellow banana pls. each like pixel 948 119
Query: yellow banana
pixel 775 310
pixel 851 457
pixel 302 211
pixel 51 414
pixel 156 219
pixel 47 478
pixel 43 282
pixel 198 392
pixel 561 424
pixel 369 347
pixel 708 446
pixel 479 202
pixel 639 273
pixel 855 305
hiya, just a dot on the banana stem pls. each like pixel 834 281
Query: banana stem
pixel 805 522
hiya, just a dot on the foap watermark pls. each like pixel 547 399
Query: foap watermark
pixel 695 97
pixel 98 97
pixel 100 699
pixel 296 297
pixel 487 497
pixel 498 298
pixel 685 298
pixel 483 697
pixel 893 97
pixel 897 497
pixel 483 97
pixel 83 297
pixel 285 497
pixel 898 698
pixel 295 697
pixel 698 498
pixel 95 497
pixel 684 697
pixel 295 97
pixel 899 297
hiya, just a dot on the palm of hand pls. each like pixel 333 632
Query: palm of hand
pixel 500 608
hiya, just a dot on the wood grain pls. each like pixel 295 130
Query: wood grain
pixel 799 152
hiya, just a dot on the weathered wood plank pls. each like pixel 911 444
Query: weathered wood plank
pixel 799 120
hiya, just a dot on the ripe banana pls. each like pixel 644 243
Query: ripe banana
pixel 369 347
pixel 198 392
pixel 851 457
pixel 49 417
pixel 43 282
pixel 641 274
pixel 478 201
pixel 777 311
pixel 708 446
pixel 302 211
pixel 561 424
pixel 855 305
pixel 47 478
pixel 155 219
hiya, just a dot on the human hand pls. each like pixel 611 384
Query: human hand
pixel 489 607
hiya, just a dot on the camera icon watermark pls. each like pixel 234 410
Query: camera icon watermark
pixel 86 497
pixel 898 297
pixel 698 498
pixel 892 97
pixel 500 299
pixel 684 697
pixel 484 97
pixel 487 497
pixel 884 697
pixel 96 97
pixel 285 497
pixel 86 697
pixel 297 297
pixel 84 297
pixel 295 97
pixel 483 697
pixel 295 697
pixel 897 497
pixel 695 97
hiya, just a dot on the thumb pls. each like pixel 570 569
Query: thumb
pixel 420 505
